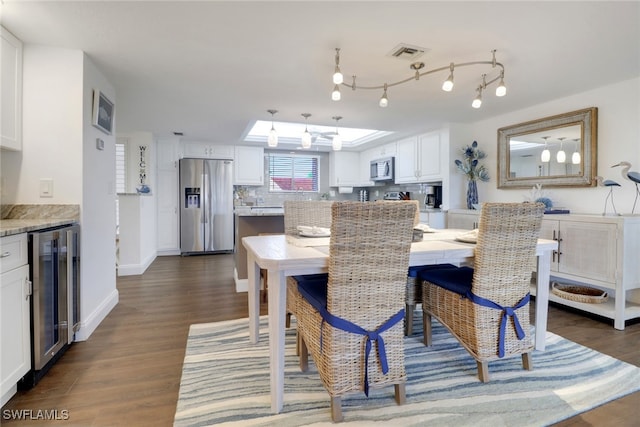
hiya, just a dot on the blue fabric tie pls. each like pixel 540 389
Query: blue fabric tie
pixel 506 313
pixel 348 326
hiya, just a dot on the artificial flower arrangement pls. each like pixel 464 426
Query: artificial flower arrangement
pixel 470 166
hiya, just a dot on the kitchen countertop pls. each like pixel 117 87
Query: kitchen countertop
pixel 9 227
pixel 259 211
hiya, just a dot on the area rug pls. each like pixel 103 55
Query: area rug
pixel 225 380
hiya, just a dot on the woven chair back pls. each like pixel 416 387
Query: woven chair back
pixel 368 260
pixel 310 213
pixel 505 251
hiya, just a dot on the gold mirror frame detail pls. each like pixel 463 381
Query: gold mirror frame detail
pixel 585 120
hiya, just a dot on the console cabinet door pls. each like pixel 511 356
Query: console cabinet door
pixel 15 360
pixel 588 250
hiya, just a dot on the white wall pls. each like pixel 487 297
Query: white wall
pixel 59 142
pixel 618 139
pixel 138 217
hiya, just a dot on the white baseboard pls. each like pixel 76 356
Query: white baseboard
pixel 242 285
pixel 168 252
pixel 8 395
pixel 135 269
pixel 91 322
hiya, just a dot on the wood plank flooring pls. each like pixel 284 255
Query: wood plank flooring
pixel 128 372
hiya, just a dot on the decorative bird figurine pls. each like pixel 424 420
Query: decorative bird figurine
pixel 608 183
pixel 631 176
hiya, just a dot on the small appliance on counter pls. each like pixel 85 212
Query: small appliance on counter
pixel 397 195
pixel 433 198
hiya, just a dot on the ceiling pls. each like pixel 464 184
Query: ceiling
pixel 209 69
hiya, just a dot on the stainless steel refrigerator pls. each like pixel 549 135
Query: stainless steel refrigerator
pixel 206 206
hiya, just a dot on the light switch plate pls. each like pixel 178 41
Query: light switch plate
pixel 46 187
pixel 99 144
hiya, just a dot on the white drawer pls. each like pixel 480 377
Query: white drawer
pixel 13 252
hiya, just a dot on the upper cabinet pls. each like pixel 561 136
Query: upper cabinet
pixel 11 102
pixel 419 159
pixel 249 166
pixel 344 169
pixel 204 150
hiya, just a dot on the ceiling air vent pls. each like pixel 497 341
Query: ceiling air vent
pixel 407 51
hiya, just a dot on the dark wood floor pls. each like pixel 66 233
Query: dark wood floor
pixel 128 372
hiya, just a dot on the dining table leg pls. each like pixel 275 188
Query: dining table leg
pixel 277 314
pixel 253 290
pixel 542 298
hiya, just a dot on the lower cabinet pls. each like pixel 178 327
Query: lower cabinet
pixel 15 288
pixel 434 219
pixel 593 250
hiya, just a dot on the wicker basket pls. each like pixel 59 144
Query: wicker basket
pixel 579 293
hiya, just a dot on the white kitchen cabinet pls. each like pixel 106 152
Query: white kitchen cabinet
pixel 598 251
pixel 435 219
pixel 344 169
pixel 248 168
pixel 465 219
pixel 419 159
pixel 167 197
pixel 15 288
pixel 203 150
pixel 11 99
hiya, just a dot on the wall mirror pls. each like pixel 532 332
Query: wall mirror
pixel 556 151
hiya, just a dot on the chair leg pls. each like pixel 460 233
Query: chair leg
pixel 336 409
pixel 527 361
pixel 287 321
pixel 304 354
pixel 426 329
pixel 298 341
pixel 483 371
pixel 401 395
pixel 408 320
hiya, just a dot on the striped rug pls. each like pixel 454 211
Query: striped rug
pixel 226 380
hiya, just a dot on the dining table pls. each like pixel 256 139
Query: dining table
pixel 287 255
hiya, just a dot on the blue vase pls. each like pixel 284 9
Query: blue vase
pixel 472 194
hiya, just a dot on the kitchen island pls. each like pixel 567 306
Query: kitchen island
pixel 253 221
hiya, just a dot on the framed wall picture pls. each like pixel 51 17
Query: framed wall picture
pixel 103 111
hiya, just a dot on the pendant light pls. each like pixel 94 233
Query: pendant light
pixel 336 143
pixel 561 157
pixel 306 136
pixel 545 157
pixel 272 140
pixel 575 157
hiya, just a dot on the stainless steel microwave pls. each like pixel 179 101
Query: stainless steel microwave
pixel 382 169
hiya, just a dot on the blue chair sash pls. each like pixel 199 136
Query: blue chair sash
pixel 347 326
pixel 506 313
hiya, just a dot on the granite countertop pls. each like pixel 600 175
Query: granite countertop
pixel 18 219
pixel 17 226
pixel 259 211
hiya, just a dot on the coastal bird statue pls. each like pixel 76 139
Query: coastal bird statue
pixel 631 176
pixel 608 183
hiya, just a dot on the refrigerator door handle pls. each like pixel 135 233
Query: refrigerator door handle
pixel 205 198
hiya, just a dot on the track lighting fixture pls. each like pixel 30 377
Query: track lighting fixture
pixel 447 86
pixel 272 139
pixel 417 67
pixel 384 101
pixel 336 142
pixel 561 157
pixel 338 78
pixel 477 102
pixel 545 157
pixel 306 136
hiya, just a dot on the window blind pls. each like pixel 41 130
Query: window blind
pixel 291 173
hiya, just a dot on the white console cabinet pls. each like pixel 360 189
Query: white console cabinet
pixel 15 288
pixel 599 251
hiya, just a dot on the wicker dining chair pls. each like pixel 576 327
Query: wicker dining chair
pixel 362 300
pixel 312 213
pixel 487 307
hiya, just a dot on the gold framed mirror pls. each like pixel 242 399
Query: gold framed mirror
pixel 532 152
